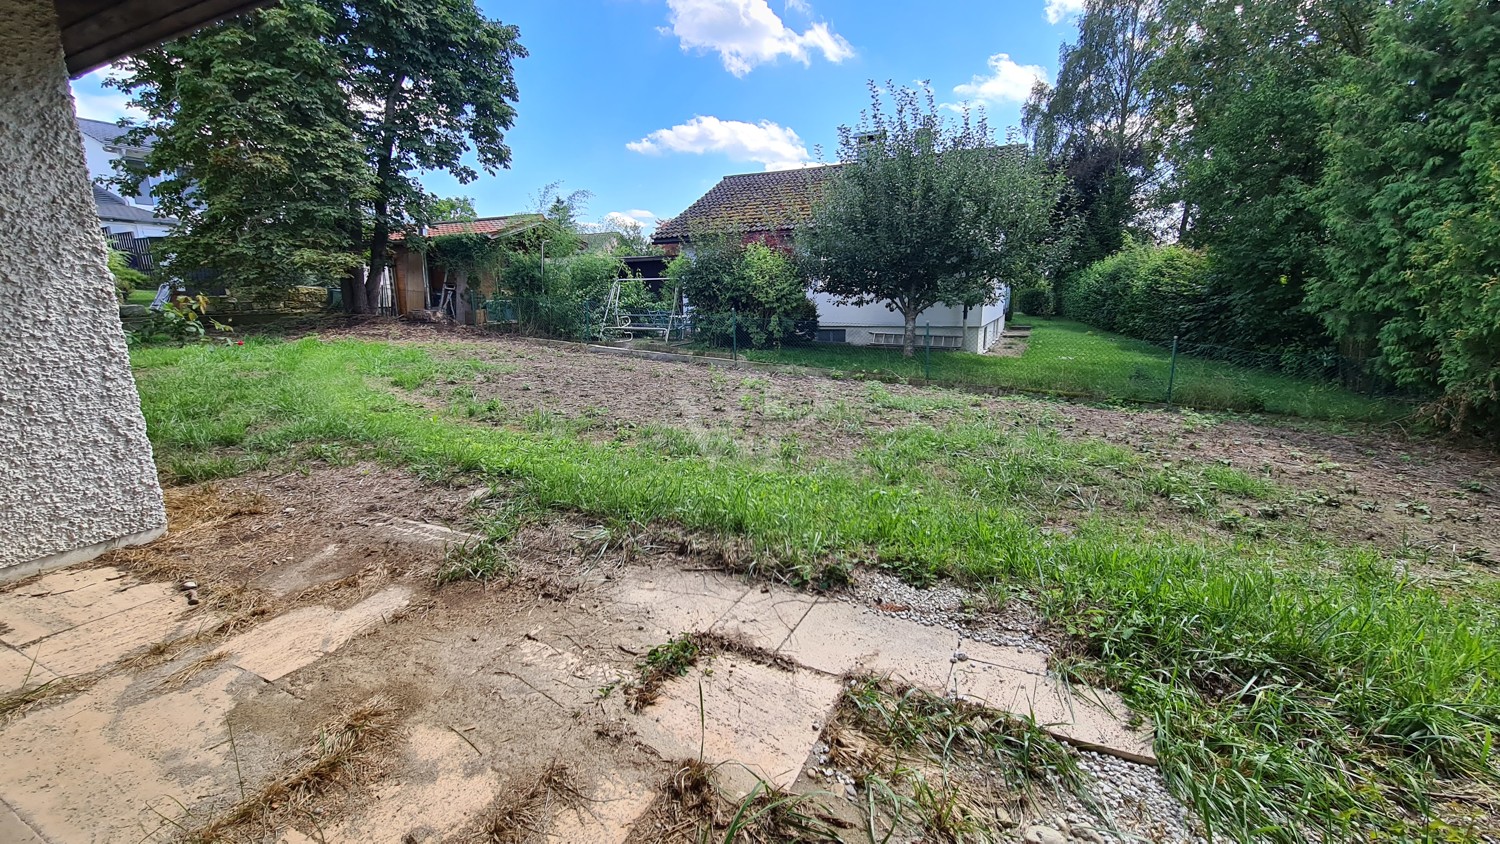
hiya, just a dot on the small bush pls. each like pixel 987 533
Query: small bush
pixel 751 290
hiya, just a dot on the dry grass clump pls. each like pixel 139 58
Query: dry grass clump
pixel 527 804
pixel 179 678
pixel 691 809
pixel 678 656
pixel 192 512
pixel 338 756
pixel 17 702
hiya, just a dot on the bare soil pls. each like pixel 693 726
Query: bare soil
pixel 1422 499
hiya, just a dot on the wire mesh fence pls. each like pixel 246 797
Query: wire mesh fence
pixel 1050 356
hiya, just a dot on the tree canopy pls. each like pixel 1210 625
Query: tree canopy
pixel 292 134
pixel 251 127
pixel 926 210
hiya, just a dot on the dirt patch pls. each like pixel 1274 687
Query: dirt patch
pixel 1419 499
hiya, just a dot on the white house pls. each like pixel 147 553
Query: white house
pixel 133 215
pixel 768 207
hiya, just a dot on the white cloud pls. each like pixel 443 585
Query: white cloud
pixel 96 102
pixel 746 33
pixel 768 144
pixel 1007 82
pixel 1061 10
pixel 629 219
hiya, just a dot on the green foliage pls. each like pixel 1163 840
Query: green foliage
pixel 750 289
pixel 925 211
pixel 1411 197
pixel 1034 301
pixel 452 209
pixel 436 89
pixel 127 278
pixel 253 133
pixel 1237 85
pixel 184 319
pixel 1094 125
pixel 1149 292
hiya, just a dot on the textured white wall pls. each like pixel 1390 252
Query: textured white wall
pixel 76 471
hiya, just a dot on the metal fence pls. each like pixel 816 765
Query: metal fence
pixel 1049 356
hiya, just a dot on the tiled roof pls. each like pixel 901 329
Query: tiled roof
pixel 104 133
pixel 111 207
pixel 752 202
pixel 484 225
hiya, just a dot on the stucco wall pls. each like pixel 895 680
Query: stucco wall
pixel 76 471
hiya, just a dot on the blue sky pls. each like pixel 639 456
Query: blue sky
pixel 647 103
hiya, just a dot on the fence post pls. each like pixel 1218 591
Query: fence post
pixel 734 335
pixel 1172 373
pixel 927 357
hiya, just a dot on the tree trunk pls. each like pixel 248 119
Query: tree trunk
pixel 909 338
pixel 381 239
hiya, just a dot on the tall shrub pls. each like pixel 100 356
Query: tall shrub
pixel 1150 292
pixel 756 290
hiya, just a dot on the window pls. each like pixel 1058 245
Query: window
pixel 939 341
pixel 831 335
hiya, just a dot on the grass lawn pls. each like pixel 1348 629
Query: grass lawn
pixel 143 296
pixel 1071 359
pixel 1294 687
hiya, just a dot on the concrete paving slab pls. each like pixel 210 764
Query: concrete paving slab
pixel 560 675
pixel 106 766
pixel 454 787
pixel 765 616
pixel 424 535
pixel 1084 716
pixel 754 717
pixel 837 637
pixel 607 814
pixel 984 655
pixel 13 830
pixel 66 599
pixel 315 570
pixel 98 644
pixel 298 638
pixel 677 601
pixel 19 671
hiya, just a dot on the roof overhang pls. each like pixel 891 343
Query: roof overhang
pixel 97 32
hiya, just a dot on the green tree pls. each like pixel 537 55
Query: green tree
pixel 1411 198
pixel 251 127
pixel 1237 88
pixel 435 83
pixel 453 209
pixel 926 211
pixel 1095 125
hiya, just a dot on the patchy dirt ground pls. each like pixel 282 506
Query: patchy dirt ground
pixel 325 688
pixel 1421 500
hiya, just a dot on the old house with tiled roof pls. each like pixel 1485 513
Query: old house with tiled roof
pixel 770 208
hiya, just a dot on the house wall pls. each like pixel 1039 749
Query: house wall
pixel 865 325
pixel 100 162
pixel 140 230
pixel 76 470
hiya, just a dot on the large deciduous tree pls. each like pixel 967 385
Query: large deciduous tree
pixel 1095 124
pixel 925 210
pixel 251 128
pixel 1237 83
pixel 1411 198
pixel 292 134
pixel 434 81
